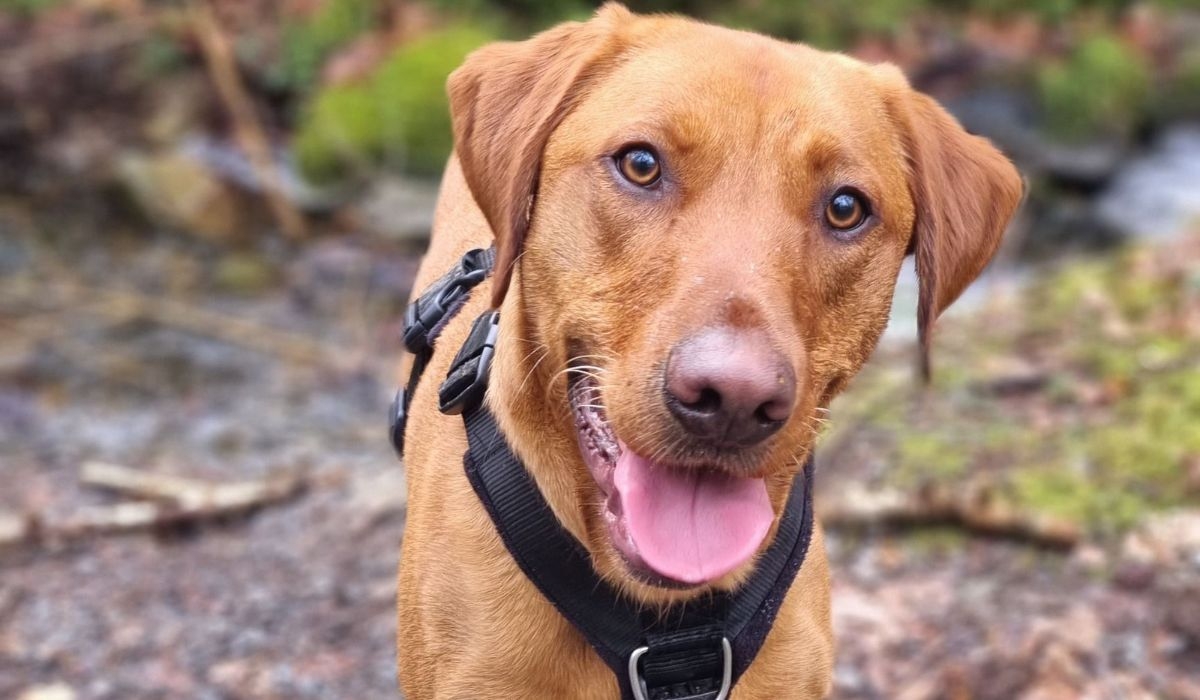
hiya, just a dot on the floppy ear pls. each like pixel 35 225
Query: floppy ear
pixel 965 192
pixel 505 101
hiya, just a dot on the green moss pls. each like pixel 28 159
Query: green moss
pixel 1101 89
pixel 398 117
pixel 930 457
pixel 339 131
pixel 1154 430
pixel 1107 475
pixel 1057 492
pixel 1059 296
pixel 410 90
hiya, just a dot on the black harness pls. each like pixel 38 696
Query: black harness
pixel 697 651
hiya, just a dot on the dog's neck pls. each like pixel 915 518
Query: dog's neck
pixel 535 415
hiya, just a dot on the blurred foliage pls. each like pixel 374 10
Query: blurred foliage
pixel 159 55
pixel 1100 89
pixel 523 15
pixel 27 7
pixel 308 41
pixel 397 116
pixel 1180 96
pixel 824 23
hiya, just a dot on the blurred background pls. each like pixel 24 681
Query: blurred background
pixel 210 216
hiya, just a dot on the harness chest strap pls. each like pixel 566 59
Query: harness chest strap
pixel 696 653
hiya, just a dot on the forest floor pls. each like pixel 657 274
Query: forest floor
pixel 157 354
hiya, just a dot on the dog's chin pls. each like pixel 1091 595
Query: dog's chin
pixel 670 527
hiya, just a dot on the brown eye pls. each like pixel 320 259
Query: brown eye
pixel 845 211
pixel 639 166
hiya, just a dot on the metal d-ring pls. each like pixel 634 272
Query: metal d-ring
pixel 638 684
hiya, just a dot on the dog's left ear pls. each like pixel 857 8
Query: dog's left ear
pixel 964 190
pixel 505 101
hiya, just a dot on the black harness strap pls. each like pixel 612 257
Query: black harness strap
pixel 695 652
pixel 680 647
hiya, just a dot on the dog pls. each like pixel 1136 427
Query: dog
pixel 698 233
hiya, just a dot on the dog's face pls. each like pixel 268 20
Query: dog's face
pixel 718 220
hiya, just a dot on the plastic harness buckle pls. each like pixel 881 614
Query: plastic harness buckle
pixel 466 382
pixel 423 321
pixel 431 308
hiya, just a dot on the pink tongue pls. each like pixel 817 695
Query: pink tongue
pixel 690 526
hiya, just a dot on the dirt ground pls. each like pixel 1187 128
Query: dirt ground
pixel 296 600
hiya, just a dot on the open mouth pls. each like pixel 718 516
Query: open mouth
pixel 673 525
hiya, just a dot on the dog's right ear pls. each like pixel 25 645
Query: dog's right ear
pixel 505 101
pixel 964 191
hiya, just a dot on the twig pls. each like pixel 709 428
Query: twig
pixel 165 501
pixel 16 529
pixel 170 312
pixel 189 494
pixel 126 305
pixel 975 510
pixel 222 65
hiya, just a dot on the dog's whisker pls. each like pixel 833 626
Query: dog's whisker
pixel 529 374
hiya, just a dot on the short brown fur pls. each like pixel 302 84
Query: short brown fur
pixel 754 135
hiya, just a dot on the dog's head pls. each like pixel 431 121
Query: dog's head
pixel 702 229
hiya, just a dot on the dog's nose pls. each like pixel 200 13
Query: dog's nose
pixel 729 386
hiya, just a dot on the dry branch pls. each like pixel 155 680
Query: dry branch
pixel 975 510
pixel 190 495
pixel 166 501
pixel 125 305
pixel 222 65
pixel 15 529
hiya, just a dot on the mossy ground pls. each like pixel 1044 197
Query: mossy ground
pixel 1078 398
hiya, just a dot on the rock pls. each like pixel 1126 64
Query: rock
pixel 1085 165
pixel 1064 222
pixel 1009 117
pixel 1090 558
pixel 1080 631
pixel 1119 685
pixel 1134 576
pixel 1167 540
pixel 231 165
pixel 179 192
pixel 1180 602
pixel 1156 194
pixel 398 209
pixel 377 497
pixel 1059 674
pixel 14 529
pixel 54 691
